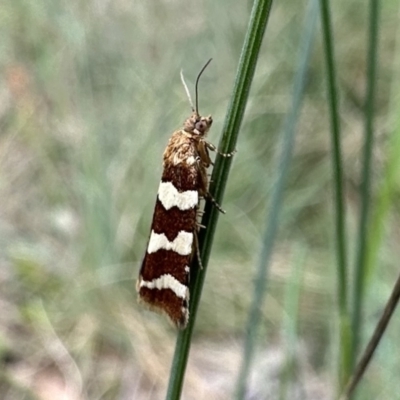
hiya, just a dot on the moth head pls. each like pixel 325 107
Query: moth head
pixel 197 124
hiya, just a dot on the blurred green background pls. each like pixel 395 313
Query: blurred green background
pixel 89 95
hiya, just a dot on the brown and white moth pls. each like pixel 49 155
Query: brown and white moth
pixel 163 283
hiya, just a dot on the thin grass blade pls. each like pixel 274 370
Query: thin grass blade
pixel 361 261
pixel 272 220
pixel 341 252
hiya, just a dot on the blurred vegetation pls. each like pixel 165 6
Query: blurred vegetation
pixel 89 94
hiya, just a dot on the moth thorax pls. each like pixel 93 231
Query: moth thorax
pixel 197 124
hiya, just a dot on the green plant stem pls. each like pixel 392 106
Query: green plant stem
pixel 342 297
pixel 276 200
pixel 247 64
pixel 361 261
pixel 388 186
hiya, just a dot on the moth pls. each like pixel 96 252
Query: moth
pixel 163 283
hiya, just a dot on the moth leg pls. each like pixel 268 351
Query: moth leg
pixel 213 148
pixel 203 189
pixel 199 216
pixel 208 196
pixel 196 243
pixel 203 154
pixel 200 213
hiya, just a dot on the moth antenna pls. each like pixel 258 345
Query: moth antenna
pixel 187 90
pixel 197 84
